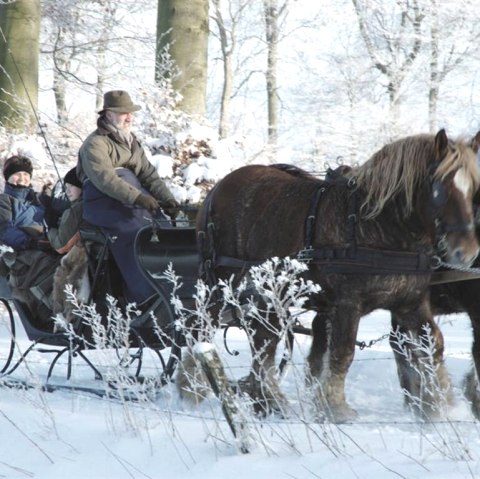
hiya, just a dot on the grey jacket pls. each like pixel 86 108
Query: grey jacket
pixel 102 152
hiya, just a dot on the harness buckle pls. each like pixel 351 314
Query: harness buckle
pixel 435 262
pixel 305 255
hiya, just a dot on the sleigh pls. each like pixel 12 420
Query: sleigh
pixel 158 247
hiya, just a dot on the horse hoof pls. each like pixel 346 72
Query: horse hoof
pixel 471 390
pixel 264 403
pixel 341 414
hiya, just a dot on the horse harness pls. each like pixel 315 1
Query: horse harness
pixel 348 258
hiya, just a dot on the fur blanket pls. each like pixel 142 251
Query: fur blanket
pixel 73 269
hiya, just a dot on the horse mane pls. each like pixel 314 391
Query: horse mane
pixel 401 166
pixel 292 170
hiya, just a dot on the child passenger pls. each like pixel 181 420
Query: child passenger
pixel 65 239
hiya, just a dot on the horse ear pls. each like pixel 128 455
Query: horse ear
pixel 476 142
pixel 441 141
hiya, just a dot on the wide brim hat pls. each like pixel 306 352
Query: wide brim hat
pixel 118 101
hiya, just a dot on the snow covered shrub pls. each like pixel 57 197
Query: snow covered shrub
pixel 275 287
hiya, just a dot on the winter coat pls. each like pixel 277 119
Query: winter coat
pixel 30 271
pixel 64 236
pixel 19 206
pixel 121 221
pixel 102 152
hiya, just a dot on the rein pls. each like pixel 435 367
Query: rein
pixel 453 273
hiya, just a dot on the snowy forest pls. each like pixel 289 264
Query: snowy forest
pixel 222 84
pixel 294 79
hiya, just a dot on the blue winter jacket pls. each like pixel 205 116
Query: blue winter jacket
pixel 19 206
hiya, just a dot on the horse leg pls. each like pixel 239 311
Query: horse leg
pixel 471 383
pixel 333 346
pixel 191 382
pixel 417 344
pixel 262 384
pixel 320 340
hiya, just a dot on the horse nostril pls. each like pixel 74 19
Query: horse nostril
pixel 458 256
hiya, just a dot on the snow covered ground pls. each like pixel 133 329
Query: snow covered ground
pixel 78 435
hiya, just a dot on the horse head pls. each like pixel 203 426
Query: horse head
pixel 455 178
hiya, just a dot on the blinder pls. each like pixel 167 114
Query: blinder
pixel 439 197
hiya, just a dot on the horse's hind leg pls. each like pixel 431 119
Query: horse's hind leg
pixel 334 333
pixel 417 343
pixel 262 382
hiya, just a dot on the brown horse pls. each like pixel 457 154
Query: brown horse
pixel 459 297
pixel 368 237
pixel 462 297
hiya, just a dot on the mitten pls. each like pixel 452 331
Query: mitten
pixel 171 208
pixel 148 202
pixel 47 188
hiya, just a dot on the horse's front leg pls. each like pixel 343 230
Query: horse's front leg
pixel 262 384
pixel 417 343
pixel 334 332
pixel 472 381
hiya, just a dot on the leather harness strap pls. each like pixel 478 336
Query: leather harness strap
pixel 345 260
pixel 349 258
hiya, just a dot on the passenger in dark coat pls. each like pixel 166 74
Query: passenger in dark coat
pixel 66 233
pixel 30 267
pixel 65 239
pixel 121 188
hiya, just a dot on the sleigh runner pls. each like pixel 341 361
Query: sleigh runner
pixel 156 246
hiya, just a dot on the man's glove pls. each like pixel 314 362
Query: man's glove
pixel 47 189
pixel 148 202
pixel 171 208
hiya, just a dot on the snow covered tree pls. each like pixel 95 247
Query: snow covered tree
pixel 88 45
pixel 453 36
pixel 392 35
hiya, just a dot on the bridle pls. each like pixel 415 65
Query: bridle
pixel 438 201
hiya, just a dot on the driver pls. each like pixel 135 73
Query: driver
pixel 121 188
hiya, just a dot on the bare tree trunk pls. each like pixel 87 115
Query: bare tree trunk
pixel 227 51
pixel 271 32
pixel 61 63
pixel 434 70
pixel 19 53
pixel 183 28
pixel 100 83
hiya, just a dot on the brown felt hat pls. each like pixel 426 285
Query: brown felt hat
pixel 118 101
